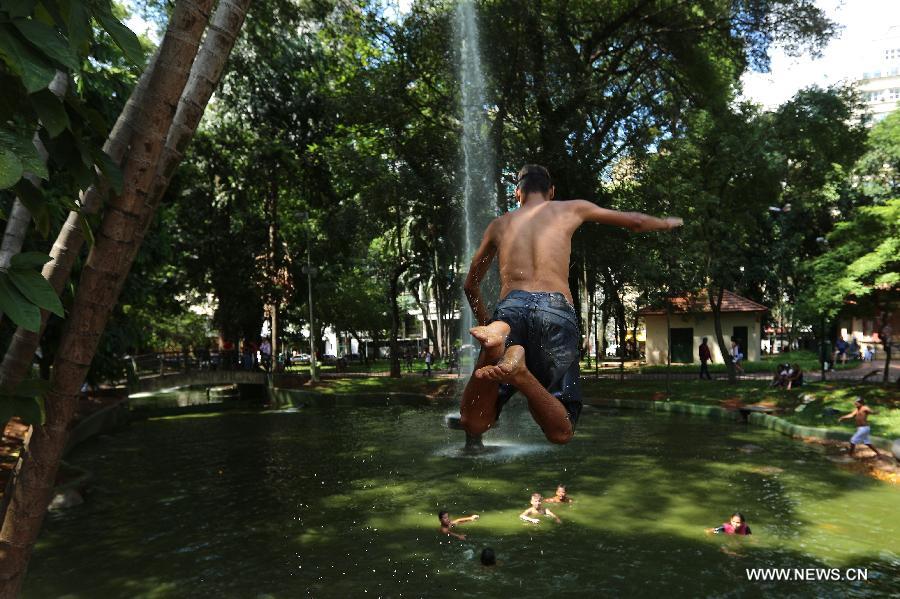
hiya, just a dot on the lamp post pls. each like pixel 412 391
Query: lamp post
pixel 310 272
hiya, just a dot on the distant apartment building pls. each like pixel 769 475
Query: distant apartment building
pixel 880 82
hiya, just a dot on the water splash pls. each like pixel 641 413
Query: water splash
pixel 498 451
pixel 477 157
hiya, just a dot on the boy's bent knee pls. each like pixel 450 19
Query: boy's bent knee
pixel 560 437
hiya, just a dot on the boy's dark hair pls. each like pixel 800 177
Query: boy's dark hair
pixel 442 513
pixel 488 558
pixel 533 178
pixel 859 400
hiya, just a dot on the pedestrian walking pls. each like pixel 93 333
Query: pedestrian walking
pixel 705 356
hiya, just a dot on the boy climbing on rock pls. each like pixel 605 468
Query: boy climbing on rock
pixel 531 343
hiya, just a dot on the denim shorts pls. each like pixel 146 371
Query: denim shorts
pixel 545 324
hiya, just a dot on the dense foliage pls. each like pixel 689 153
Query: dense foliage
pixel 338 146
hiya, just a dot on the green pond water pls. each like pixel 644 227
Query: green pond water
pixel 342 502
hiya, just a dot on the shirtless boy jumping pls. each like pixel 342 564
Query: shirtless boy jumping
pixel 531 343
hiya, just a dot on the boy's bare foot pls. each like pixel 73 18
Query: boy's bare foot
pixel 507 369
pixel 491 335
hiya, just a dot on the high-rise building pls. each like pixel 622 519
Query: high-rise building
pixel 880 83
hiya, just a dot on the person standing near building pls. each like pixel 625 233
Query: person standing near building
pixel 705 356
pixel 428 360
pixel 736 355
pixel 265 353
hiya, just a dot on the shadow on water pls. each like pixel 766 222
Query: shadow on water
pixel 338 501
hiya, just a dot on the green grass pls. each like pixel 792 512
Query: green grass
pixel 374 367
pixel 833 395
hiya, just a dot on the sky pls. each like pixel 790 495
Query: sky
pixel 844 59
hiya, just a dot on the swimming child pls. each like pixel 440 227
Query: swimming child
pixel 537 509
pixel 447 523
pixel 736 526
pixel 560 497
pixel 488 557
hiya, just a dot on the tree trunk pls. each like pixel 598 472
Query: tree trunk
pixel 394 291
pixel 715 302
pixel 426 317
pixel 586 309
pixel 620 326
pixel 205 74
pixel 101 281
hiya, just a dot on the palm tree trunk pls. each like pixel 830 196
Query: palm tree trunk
pixel 205 74
pixel 101 281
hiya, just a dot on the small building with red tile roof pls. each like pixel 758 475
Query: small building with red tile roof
pixel 690 319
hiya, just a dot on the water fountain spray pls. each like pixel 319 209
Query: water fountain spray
pixel 477 159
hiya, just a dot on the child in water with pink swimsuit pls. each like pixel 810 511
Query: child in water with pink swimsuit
pixel 736 526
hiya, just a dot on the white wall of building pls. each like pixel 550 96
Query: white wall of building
pixel 657 349
pixel 879 82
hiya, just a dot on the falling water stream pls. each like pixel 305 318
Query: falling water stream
pixel 477 158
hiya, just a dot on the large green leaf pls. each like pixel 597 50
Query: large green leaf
pixel 37 289
pixel 29 260
pixel 87 230
pixel 123 36
pixel 110 170
pixel 31 388
pixel 18 8
pixel 21 311
pixel 25 151
pixel 49 41
pixel 51 111
pixel 79 27
pixel 36 73
pixel 10 168
pixel 29 409
pixel 33 199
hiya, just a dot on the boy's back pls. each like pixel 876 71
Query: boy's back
pixel 533 247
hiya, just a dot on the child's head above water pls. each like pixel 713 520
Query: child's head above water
pixel 488 558
pixel 536 499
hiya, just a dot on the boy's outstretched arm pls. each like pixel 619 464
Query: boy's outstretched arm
pixel 848 416
pixel 466 519
pixel 481 262
pixel 636 222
